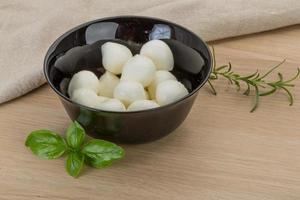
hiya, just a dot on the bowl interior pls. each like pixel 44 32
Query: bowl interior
pixel 80 49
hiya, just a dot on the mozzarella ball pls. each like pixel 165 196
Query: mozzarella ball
pixel 160 53
pixel 142 105
pixel 83 79
pixel 114 56
pixel 85 97
pixel 170 91
pixel 129 91
pixel 101 99
pixel 159 77
pixel 140 69
pixel 107 84
pixel 111 105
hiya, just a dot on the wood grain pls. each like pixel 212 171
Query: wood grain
pixel 220 152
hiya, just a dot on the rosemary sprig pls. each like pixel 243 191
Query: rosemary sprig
pixel 255 81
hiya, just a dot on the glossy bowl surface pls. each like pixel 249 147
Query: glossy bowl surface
pixel 79 49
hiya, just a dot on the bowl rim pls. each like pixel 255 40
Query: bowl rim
pixel 60 38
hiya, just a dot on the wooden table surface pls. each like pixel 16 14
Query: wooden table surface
pixel 221 151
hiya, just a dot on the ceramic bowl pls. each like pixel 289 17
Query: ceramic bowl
pixel 80 49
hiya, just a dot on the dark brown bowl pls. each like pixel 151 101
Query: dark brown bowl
pixel 79 49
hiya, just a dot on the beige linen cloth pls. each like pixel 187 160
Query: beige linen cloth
pixel 28 27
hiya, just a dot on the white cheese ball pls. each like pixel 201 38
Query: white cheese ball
pixel 83 79
pixel 142 105
pixel 86 97
pixel 107 83
pixel 101 99
pixel 160 53
pixel 111 105
pixel 140 69
pixel 129 91
pixel 114 56
pixel 170 91
pixel 159 77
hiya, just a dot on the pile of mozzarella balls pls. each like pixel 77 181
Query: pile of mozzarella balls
pixel 130 83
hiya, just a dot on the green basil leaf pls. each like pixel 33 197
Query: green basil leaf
pixel 75 163
pixel 75 135
pixel 101 153
pixel 46 144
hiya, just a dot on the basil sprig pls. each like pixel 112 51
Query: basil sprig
pixel 97 153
